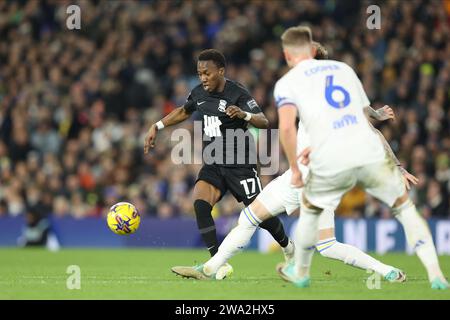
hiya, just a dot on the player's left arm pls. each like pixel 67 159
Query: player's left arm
pixel 247 108
pixel 380 114
pixel 406 175
pixel 364 101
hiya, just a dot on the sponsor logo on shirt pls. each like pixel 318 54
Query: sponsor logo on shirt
pixel 252 104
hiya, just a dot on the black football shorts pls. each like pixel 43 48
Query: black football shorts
pixel 243 182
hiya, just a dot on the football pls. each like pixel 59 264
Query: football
pixel 123 218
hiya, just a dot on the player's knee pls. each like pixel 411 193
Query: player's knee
pixel 258 209
pixel 248 219
pixel 206 192
pixel 401 201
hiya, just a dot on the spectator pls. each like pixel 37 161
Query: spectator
pixel 75 105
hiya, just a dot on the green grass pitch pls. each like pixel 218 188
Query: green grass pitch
pixel 145 274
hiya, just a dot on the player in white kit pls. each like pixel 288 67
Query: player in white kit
pixel 344 151
pixel 278 196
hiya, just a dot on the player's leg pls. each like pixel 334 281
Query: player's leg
pixel 206 195
pixel 207 192
pixel 385 182
pixel 319 193
pixel 275 227
pixel 329 247
pixel 419 237
pixel 233 243
pixel 245 185
pixel 239 237
pixel 278 197
pixel 274 199
pixel 306 236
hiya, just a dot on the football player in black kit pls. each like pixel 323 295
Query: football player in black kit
pixel 224 105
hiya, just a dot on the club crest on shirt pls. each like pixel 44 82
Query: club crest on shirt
pixel 222 105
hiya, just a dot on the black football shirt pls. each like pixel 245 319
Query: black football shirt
pixel 226 141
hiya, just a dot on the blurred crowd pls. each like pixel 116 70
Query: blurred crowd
pixel 75 105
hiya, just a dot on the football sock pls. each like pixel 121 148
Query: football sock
pixel 306 235
pixel 206 225
pixel 234 242
pixel 289 249
pixel 419 237
pixel 351 255
pixel 276 229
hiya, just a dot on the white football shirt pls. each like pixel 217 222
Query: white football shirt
pixel 330 100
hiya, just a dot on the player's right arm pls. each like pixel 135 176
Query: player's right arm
pixel 176 116
pixel 287 116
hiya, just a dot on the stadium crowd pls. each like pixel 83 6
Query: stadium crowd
pixel 75 105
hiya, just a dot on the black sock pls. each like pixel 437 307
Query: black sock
pixel 275 227
pixel 206 225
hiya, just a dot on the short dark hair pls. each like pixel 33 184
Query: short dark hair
pixel 321 52
pixel 214 55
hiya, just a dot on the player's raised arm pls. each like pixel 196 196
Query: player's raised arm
pixel 176 116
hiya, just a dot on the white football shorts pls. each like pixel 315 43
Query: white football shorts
pixel 278 196
pixel 383 180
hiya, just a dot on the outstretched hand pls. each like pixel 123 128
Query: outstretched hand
pixel 408 177
pixel 385 113
pixel 150 138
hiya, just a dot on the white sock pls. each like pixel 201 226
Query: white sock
pixel 289 249
pixel 234 242
pixel 419 237
pixel 351 255
pixel 306 236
